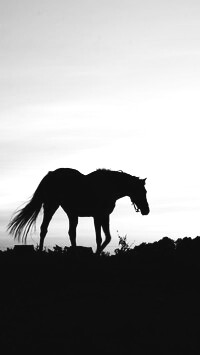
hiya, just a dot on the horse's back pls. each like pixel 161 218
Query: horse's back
pixel 67 172
pixel 64 181
pixel 67 176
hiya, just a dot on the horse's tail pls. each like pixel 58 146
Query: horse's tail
pixel 25 218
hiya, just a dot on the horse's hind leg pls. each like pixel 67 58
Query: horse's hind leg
pixel 73 221
pixel 49 210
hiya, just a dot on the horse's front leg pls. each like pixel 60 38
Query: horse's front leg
pixel 97 225
pixel 73 221
pixel 106 229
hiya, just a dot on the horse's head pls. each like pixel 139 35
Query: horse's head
pixel 138 197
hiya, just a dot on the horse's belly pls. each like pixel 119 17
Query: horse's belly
pixel 95 210
pixel 86 211
pixel 85 214
pixel 87 206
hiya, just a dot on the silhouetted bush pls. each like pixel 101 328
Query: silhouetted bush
pixel 165 253
pixel 124 246
pixel 145 294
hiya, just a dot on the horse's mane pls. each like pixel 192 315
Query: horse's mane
pixel 115 173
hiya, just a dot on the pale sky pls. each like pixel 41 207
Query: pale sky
pixel 102 84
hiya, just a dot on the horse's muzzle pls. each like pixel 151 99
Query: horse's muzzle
pixel 145 211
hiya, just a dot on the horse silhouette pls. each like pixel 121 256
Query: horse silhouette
pixel 79 195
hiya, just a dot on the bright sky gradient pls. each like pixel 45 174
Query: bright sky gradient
pixel 89 84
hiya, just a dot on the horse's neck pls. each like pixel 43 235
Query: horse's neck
pixel 108 184
pixel 119 188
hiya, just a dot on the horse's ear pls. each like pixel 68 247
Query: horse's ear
pixel 144 180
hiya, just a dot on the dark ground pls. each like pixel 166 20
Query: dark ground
pixel 141 301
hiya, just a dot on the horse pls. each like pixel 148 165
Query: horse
pixel 92 195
